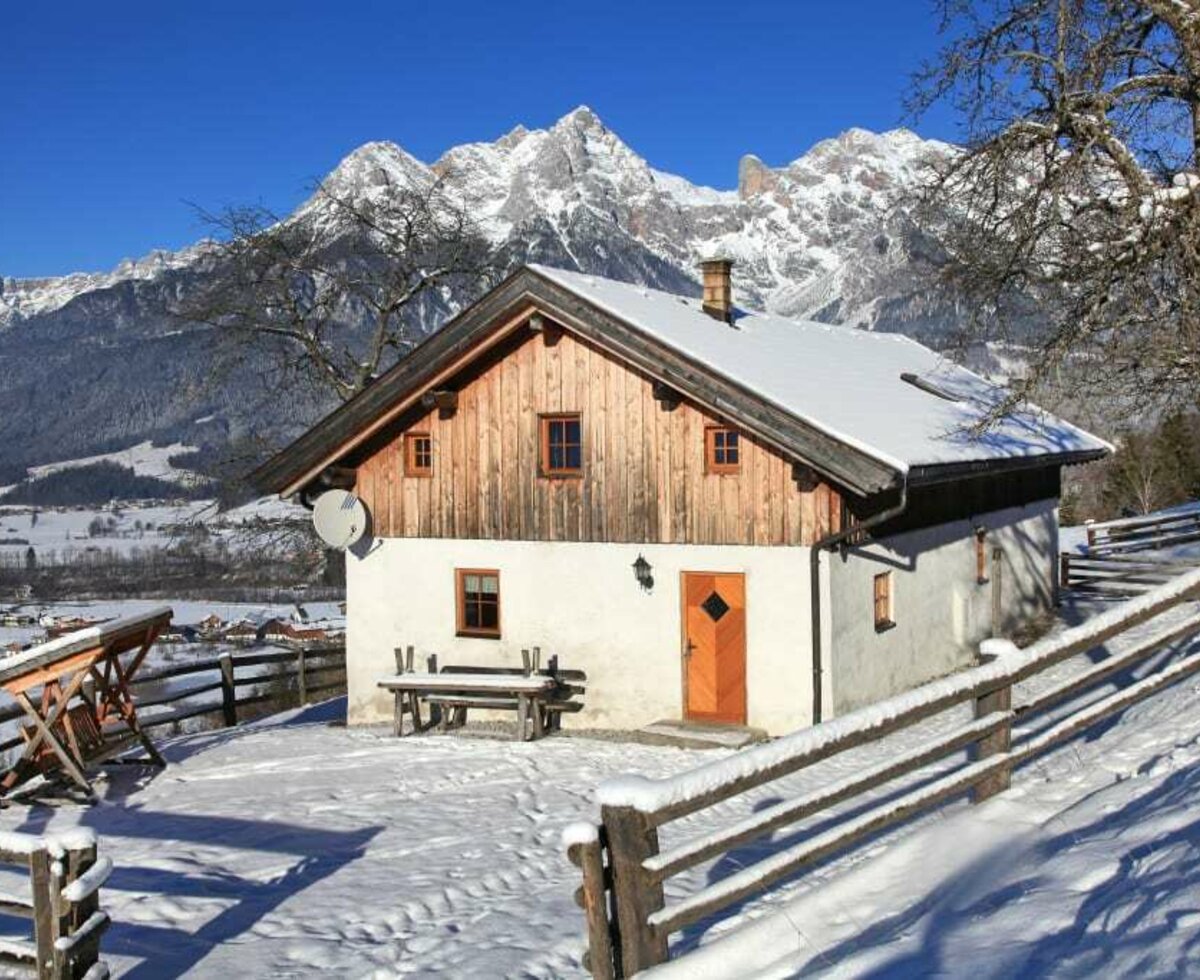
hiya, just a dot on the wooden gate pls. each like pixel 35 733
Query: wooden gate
pixel 714 646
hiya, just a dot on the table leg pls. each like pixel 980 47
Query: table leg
pixel 414 709
pixel 522 716
pixel 50 739
pixel 538 720
pixel 117 696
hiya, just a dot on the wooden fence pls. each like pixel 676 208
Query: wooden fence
pixel 1163 530
pixel 1116 575
pixel 624 868
pixel 65 876
pixel 222 688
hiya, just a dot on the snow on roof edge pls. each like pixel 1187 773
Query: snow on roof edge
pixel 579 283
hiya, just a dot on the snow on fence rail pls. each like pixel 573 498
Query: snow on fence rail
pixel 243 680
pixel 623 868
pixel 1163 530
pixel 63 903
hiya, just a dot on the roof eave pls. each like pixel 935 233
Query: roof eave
pixel 296 467
pixel 944 472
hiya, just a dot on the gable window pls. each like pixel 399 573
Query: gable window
pixel 562 445
pixel 884 610
pixel 478 592
pixel 418 454
pixel 722 450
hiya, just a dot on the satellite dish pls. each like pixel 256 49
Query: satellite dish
pixel 339 518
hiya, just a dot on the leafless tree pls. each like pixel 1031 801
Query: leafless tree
pixel 336 291
pixel 1075 201
pixel 1136 473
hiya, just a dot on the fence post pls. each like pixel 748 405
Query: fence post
pixel 228 691
pixel 300 675
pixel 591 897
pixel 43 910
pixel 998 742
pixel 1091 532
pixel 70 917
pixel 1064 570
pixel 997 591
pixel 631 839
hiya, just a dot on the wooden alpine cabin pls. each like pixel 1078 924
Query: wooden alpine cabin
pixel 719 515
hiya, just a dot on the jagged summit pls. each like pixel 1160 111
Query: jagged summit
pixel 786 224
pixel 94 359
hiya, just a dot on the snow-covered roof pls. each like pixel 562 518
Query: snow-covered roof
pixel 846 382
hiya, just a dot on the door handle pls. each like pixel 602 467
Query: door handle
pixel 688 647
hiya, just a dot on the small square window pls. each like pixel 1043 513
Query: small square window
pixel 418 454
pixel 562 445
pixel 478 602
pixel 884 608
pixel 722 450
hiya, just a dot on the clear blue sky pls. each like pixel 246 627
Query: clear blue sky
pixel 116 115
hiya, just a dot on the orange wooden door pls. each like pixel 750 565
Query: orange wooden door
pixel 714 647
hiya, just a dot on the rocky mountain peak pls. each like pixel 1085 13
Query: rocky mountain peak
pixel 817 237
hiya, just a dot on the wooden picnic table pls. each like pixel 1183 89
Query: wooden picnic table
pixel 101 723
pixel 480 690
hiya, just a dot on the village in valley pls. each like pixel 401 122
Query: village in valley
pixel 512 555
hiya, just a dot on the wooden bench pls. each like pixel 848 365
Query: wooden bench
pixel 84 713
pixel 539 697
pixel 562 699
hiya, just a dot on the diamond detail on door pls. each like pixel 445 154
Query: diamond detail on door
pixel 715 606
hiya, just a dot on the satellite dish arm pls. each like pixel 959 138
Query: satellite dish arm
pixel 332 477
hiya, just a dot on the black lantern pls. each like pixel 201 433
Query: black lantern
pixel 641 571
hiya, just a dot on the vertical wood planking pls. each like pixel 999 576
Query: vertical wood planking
pixel 644 469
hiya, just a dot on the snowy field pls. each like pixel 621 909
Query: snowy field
pixel 132 526
pixel 298 847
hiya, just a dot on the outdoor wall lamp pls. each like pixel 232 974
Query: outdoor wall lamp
pixel 641 571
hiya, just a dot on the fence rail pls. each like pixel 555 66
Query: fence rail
pixel 65 877
pixel 624 868
pixel 318 669
pixel 1116 575
pixel 1144 533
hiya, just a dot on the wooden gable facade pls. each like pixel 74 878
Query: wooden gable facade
pixel 643 478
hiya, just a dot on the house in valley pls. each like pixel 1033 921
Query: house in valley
pixel 719 515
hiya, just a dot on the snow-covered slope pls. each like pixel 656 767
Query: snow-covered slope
pixel 145 459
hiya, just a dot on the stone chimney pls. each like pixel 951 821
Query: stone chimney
pixel 718 288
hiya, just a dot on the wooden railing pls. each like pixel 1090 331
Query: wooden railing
pixel 63 902
pixel 1164 530
pixel 624 867
pixel 1116 575
pixel 222 688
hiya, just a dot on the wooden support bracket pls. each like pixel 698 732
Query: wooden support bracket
pixel 444 400
pixel 666 396
pixel 805 477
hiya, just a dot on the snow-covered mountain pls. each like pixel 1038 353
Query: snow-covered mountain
pixel 97 361
pixel 794 230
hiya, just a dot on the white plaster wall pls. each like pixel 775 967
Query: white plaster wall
pixel 582 602
pixel 940 610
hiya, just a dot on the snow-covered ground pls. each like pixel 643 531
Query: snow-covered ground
pixel 145 459
pixel 298 847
